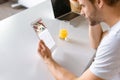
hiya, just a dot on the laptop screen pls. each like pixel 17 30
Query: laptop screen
pixel 60 7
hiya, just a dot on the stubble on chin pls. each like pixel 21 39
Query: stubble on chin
pixel 93 22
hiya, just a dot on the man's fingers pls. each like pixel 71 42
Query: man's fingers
pixel 42 45
pixel 41 49
pixel 41 41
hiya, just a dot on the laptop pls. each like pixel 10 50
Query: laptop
pixel 62 10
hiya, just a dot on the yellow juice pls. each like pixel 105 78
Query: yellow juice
pixel 63 33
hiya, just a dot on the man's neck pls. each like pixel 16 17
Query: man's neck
pixel 112 21
pixel 112 16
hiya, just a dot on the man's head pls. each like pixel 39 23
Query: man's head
pixel 93 10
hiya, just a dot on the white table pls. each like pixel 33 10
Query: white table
pixel 19 59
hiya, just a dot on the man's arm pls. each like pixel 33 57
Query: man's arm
pixel 88 75
pixel 58 71
pixel 95 35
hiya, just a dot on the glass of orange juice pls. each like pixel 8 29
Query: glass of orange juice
pixel 63 31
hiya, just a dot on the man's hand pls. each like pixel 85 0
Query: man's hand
pixel 44 51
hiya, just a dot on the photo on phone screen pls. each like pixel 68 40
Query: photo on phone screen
pixel 39 26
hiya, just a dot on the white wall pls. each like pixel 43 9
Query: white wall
pixel 29 3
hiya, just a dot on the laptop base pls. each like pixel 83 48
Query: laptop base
pixel 69 16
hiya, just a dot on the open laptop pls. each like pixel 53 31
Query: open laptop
pixel 62 10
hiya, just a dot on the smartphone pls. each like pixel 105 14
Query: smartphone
pixel 43 33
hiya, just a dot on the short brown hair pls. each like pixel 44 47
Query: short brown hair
pixel 108 2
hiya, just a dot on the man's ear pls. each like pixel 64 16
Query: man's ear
pixel 99 3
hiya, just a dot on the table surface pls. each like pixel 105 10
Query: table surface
pixel 19 59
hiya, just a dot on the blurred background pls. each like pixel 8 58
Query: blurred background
pixel 11 7
pixel 7 10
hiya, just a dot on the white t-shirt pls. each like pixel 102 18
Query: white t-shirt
pixel 106 64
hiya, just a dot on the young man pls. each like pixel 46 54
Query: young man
pixel 106 65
